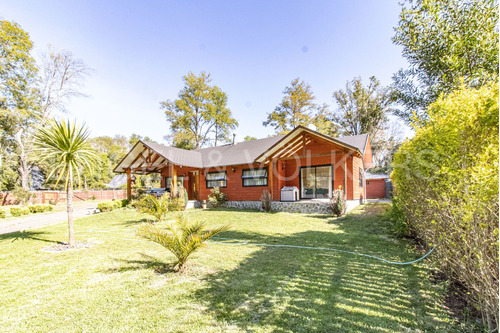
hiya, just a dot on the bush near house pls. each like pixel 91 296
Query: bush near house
pixel 265 201
pixel 446 183
pixel 217 197
pixel 338 202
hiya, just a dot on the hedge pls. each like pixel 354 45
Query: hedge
pixel 112 205
pixel 2 214
pixel 40 208
pixel 446 191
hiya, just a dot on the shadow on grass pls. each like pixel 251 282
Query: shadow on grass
pixel 27 235
pixel 148 262
pixel 304 290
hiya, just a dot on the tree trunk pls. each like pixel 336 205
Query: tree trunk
pixel 69 202
pixel 24 167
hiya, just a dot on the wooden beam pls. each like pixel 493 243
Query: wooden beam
pixel 270 172
pixel 129 184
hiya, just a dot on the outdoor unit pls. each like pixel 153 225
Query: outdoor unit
pixel 290 193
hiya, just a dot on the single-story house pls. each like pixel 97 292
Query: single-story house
pixel 313 163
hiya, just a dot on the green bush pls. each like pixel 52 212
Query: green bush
pixel 124 202
pixel 22 195
pixel 446 187
pixel 217 197
pixel 25 211
pixel 109 205
pixel 15 211
pixel 2 214
pixel 40 208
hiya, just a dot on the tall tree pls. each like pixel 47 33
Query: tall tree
pixel 193 115
pixel 363 110
pixel 66 145
pixel 222 116
pixel 444 41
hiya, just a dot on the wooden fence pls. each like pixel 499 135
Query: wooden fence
pixel 53 197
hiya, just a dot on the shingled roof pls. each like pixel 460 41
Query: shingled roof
pixel 246 152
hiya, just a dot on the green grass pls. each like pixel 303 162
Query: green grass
pixel 127 284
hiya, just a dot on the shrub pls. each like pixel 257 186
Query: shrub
pixel 25 211
pixel 156 207
pixel 446 186
pixel 265 200
pixel 182 238
pixel 15 211
pixel 22 195
pixel 124 202
pixel 186 199
pixel 92 197
pixel 40 208
pixel 217 197
pixel 338 202
pixel 2 214
pixel 109 206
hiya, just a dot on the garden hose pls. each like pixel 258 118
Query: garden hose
pixel 242 242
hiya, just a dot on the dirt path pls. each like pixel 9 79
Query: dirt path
pixel 41 220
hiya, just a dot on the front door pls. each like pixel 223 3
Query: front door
pixel 194 185
pixel 316 182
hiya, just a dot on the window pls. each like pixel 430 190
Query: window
pixel 168 182
pixel 215 179
pixel 360 177
pixel 254 177
pixel 316 182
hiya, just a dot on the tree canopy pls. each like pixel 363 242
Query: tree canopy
pixel 445 42
pixel 199 115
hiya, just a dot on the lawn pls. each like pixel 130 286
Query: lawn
pixel 125 283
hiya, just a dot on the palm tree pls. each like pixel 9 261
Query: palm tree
pixel 182 238
pixel 156 207
pixel 65 146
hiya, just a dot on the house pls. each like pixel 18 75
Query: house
pixel 314 163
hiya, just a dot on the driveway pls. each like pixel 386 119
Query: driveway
pixel 42 220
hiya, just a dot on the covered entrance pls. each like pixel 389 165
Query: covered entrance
pixel 316 182
pixel 194 185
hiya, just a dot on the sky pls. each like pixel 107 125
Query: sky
pixel 140 50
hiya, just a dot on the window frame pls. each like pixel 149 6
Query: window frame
pixel 211 180
pixel 332 175
pixel 249 177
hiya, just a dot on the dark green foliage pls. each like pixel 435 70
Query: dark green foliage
pixel 217 197
pixel 124 202
pixel 444 41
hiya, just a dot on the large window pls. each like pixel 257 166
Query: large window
pixel 168 182
pixel 316 182
pixel 216 179
pixel 254 177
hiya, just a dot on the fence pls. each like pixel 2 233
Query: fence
pixel 45 197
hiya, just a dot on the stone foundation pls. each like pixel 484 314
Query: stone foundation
pixel 304 207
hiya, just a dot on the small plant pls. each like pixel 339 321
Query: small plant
pixel 265 200
pixel 338 202
pixel 217 197
pixel 182 237
pixel 124 202
pixel 40 208
pixel 15 211
pixel 155 207
pixel 92 197
pixel 2 214
pixel 109 206
pixel 25 211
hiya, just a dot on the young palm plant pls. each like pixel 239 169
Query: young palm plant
pixel 65 146
pixel 182 237
pixel 155 207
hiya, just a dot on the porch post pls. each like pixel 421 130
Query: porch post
pixel 174 181
pixel 129 184
pixel 270 172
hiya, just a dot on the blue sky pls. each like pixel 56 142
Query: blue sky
pixel 139 51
